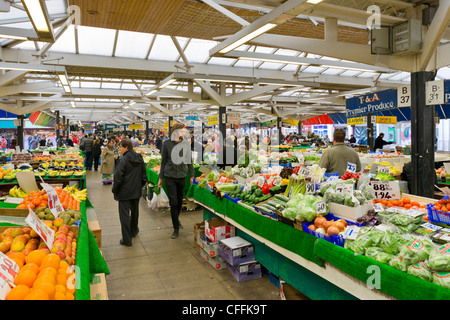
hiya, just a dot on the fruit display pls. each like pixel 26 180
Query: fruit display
pixel 44 273
pixel 328 227
pixel 392 169
pixel 70 197
pixel 17 192
pixel 351 175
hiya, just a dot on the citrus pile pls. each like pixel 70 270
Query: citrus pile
pixel 405 202
pixel 39 199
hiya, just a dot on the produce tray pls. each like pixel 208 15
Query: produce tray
pixel 297 223
pixel 246 206
pixel 437 216
pixel 335 239
pixel 235 200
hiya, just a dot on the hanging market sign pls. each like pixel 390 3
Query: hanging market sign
pixel 385 120
pixel 136 127
pixel 372 102
pixel 234 118
pixel 355 121
pixel 42 119
pixel 213 120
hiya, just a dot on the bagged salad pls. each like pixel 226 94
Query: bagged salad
pixel 442 279
pixel 439 259
pixel 398 263
pixel 420 270
pixel 416 251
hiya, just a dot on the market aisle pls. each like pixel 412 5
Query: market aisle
pixel 157 267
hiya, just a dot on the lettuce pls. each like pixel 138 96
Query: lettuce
pixel 416 251
pixel 420 270
pixel 439 259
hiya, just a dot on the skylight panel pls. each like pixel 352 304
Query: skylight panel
pixel 133 44
pixel 164 49
pixel 66 42
pixel 96 41
pixel 198 50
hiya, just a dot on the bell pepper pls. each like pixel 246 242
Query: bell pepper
pixel 265 188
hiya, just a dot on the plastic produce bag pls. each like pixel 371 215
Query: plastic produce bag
pixel 416 251
pixel 371 252
pixel 420 270
pixel 383 257
pixel 398 263
pixel 392 242
pixel 439 259
pixel 162 199
pixel 442 279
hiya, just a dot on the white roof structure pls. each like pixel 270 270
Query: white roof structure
pixel 124 76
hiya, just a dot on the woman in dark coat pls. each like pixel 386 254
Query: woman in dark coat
pixel 96 152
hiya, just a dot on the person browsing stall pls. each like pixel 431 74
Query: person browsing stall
pixel 336 157
pixel 176 160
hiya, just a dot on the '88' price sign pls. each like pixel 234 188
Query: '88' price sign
pixel 389 190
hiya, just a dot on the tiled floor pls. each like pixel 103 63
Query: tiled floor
pixel 157 267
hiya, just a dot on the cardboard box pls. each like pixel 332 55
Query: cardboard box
pixel 211 248
pixel 349 213
pixel 198 227
pixel 217 262
pixel 98 287
pixel 21 213
pixel 217 229
pixel 236 250
pixel 94 226
pixel 249 270
pixel 288 292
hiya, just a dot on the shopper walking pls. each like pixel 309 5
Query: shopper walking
pixel 176 159
pixel 96 152
pixel 86 146
pixel 107 168
pixel 130 177
pixel 380 142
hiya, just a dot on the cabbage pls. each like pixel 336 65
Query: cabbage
pixel 383 257
pixel 290 213
pixel 439 259
pixel 392 242
pixel 371 252
pixel 398 263
pixel 420 270
pixel 416 251
pixel 442 279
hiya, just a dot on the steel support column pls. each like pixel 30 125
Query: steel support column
pixel 423 137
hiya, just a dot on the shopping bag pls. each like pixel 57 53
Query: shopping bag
pixel 163 200
pixel 153 204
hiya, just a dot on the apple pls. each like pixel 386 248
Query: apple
pixel 61 254
pixel 58 222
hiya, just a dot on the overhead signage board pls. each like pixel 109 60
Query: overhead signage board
pixel 234 118
pixel 370 103
pixel 447 91
pixel 386 120
pixel 355 121
pixel 213 120
pixel 404 96
pixel 434 92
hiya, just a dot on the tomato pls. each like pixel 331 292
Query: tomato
pixel 406 200
pixel 407 206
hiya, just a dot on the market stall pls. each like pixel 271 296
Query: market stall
pixel 291 219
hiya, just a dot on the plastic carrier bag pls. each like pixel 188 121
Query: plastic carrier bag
pixel 159 200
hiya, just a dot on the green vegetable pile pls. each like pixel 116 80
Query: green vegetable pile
pixel 302 207
pixel 252 196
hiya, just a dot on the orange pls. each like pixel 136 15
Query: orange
pixel 37 294
pixel 384 202
pixel 17 256
pixel 35 257
pixel 31 266
pixel 61 279
pixel 59 296
pixel 406 200
pixel 48 271
pixel 18 293
pixel 26 277
pixel 48 287
pixel 45 278
pixel 19 262
pixel 407 206
pixel 60 288
pixel 70 296
pixel 37 202
pixel 51 260
pixel 63 265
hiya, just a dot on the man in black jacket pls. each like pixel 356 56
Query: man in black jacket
pixel 380 143
pixel 130 177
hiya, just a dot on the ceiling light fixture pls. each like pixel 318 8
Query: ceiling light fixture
pixel 7 36
pixel 248 37
pixel 37 11
pixel 314 1
pixel 161 85
pixel 64 79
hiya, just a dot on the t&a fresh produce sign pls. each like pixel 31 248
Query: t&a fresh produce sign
pixel 372 102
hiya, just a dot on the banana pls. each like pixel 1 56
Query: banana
pixel 12 191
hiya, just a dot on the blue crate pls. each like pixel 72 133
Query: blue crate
pixel 334 174
pixel 335 239
pixel 437 216
pixel 235 200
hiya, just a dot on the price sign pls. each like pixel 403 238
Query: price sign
pixel 321 207
pixel 46 233
pixel 351 167
pixel 344 188
pixel 384 169
pixel 311 187
pixel 351 233
pixel 389 190
pixel 378 207
pixel 4 289
pixel 8 268
pixel 332 178
pixel 54 204
pixel 304 171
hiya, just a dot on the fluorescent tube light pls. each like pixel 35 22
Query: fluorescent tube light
pixel 248 37
pixel 73 104
pixel 314 1
pixel 67 89
pixel 36 12
pixel 63 79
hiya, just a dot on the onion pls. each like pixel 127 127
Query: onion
pixel 343 222
pixel 312 227
pixel 339 225
pixel 333 231
pixel 319 221
pixel 327 224
pixel 320 230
